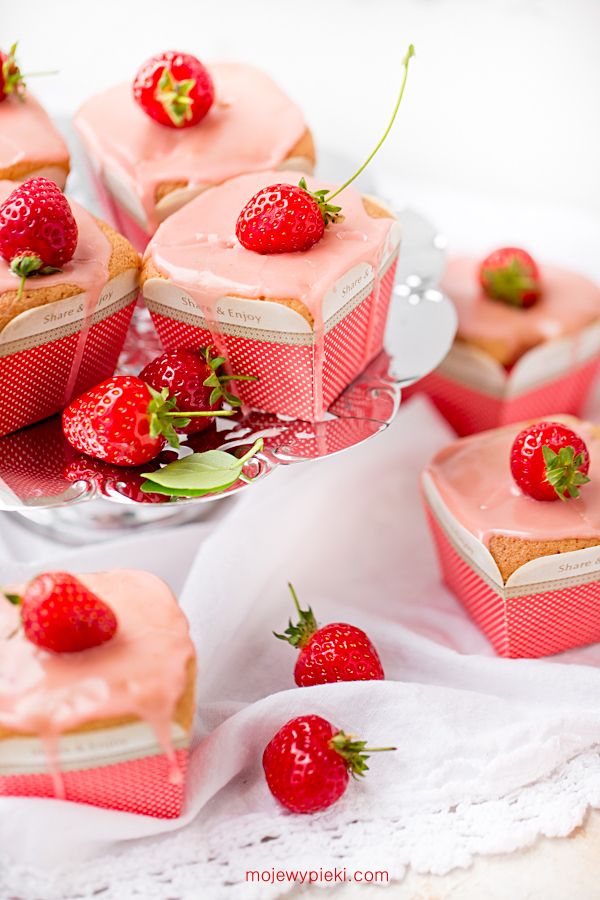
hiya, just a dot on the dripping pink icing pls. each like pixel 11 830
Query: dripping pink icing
pixel 89 267
pixel 196 248
pixel 568 303
pixel 473 478
pixel 28 135
pixel 251 126
pixel 141 672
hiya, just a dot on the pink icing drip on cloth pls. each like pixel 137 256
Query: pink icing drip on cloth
pixel 141 672
pixel 474 480
pixel 251 126
pixel 568 303
pixel 27 134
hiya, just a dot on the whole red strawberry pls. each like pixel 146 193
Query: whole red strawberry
pixel 336 652
pixel 174 89
pixel 38 232
pixel 549 461
pixel 11 80
pixel 510 274
pixel 307 763
pixel 125 421
pixel 284 218
pixel 194 379
pixel 61 614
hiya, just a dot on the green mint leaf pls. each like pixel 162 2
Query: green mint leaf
pixel 200 473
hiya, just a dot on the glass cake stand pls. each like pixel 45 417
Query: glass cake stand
pixel 75 499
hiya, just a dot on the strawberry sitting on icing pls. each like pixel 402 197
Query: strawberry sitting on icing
pixel 59 613
pixel 38 232
pixel 288 218
pixel 174 89
pixel 549 461
pixel 512 276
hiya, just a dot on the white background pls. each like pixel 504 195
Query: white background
pixel 504 97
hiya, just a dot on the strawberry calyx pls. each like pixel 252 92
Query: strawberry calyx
pixel 15 599
pixel 27 264
pixel 355 753
pixel 217 381
pixel 330 213
pixel 12 79
pixel 511 283
pixel 164 417
pixel 299 635
pixel 563 471
pixel 174 97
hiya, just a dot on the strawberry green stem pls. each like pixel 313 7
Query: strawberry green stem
pixel 224 378
pixel 255 448
pixel 300 634
pixel 355 753
pixel 40 74
pixel 409 54
pixel 197 415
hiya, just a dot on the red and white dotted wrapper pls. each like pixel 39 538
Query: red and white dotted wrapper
pixel 474 392
pixel 277 345
pixel 120 768
pixel 53 353
pixel 548 605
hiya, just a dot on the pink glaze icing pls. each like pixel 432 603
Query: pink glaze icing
pixel 27 134
pixel 251 126
pixel 197 249
pixel 568 303
pixel 473 478
pixel 141 672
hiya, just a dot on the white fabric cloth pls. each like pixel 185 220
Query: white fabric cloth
pixel 491 752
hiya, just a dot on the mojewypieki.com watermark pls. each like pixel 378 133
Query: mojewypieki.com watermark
pixel 317 876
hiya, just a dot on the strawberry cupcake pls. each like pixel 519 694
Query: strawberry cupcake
pixel 251 267
pixel 515 513
pixel 30 145
pixel 181 128
pixel 528 341
pixel 68 287
pixel 97 683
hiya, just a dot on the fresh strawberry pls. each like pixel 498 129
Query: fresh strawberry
pixel 125 421
pixel 193 378
pixel 511 275
pixel 174 89
pixel 38 232
pixel 11 80
pixel 289 218
pixel 282 218
pixel 336 652
pixel 61 614
pixel 549 461
pixel 307 763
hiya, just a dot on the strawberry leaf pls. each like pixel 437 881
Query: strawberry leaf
pixel 13 598
pixel 199 473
